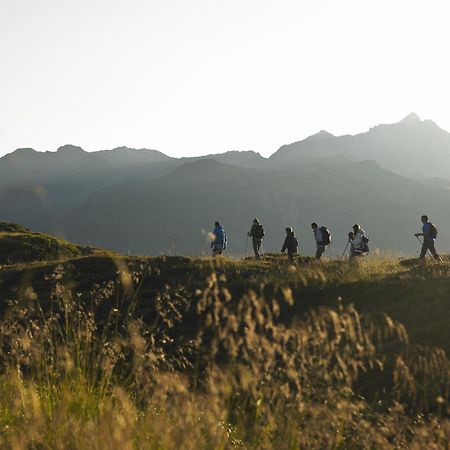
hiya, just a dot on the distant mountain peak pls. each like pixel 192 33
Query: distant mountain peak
pixel 21 154
pixel 25 151
pixel 411 118
pixel 322 134
pixel 125 148
pixel 68 148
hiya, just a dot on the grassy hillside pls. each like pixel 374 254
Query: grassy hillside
pixel 105 351
pixel 409 293
pixel 20 245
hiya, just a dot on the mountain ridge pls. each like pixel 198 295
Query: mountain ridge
pixel 127 198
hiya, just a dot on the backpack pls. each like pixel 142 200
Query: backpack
pixel 259 232
pixel 221 239
pixel 326 236
pixel 433 231
pixel 294 244
pixel 365 245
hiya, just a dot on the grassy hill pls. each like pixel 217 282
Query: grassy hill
pixel 19 245
pixel 177 352
pixel 409 293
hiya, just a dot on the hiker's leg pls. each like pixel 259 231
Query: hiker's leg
pixel 424 250
pixel 259 243
pixel 320 251
pixel 433 251
pixel 291 256
pixel 256 247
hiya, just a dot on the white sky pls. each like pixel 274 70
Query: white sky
pixel 205 76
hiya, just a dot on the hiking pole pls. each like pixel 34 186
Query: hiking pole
pixel 420 240
pixel 421 243
pixel 345 250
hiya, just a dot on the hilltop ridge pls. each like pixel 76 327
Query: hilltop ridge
pixel 374 285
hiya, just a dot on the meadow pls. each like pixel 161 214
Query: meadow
pixel 103 351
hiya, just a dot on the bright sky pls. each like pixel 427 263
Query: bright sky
pixel 192 77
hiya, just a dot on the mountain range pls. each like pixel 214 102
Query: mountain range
pixel 142 201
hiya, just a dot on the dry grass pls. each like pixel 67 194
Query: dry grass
pixel 90 372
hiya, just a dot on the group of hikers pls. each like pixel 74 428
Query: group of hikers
pixel 357 240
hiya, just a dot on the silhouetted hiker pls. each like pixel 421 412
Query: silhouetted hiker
pixel 290 244
pixel 219 243
pixel 359 244
pixel 323 239
pixel 429 233
pixel 257 235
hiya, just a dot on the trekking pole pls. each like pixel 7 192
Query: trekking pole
pixel 342 257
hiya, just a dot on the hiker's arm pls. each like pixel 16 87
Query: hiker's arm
pixel 283 249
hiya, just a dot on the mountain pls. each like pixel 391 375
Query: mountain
pixel 411 147
pixel 55 182
pixel 26 165
pixel 174 213
pixel 141 200
pixel 247 158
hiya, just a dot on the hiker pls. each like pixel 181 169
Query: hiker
pixel 323 239
pixel 219 243
pixel 257 235
pixel 359 243
pixel 429 233
pixel 290 244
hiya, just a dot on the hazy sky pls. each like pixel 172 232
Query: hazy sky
pixel 205 76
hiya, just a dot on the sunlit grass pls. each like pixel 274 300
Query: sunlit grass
pixel 176 352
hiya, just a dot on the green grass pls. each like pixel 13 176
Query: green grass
pixel 18 245
pixel 416 296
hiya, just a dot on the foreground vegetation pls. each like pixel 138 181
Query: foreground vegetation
pixel 101 351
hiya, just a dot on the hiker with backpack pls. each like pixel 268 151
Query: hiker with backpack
pixel 257 235
pixel 429 233
pixel 219 242
pixel 360 242
pixel 290 244
pixel 322 237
